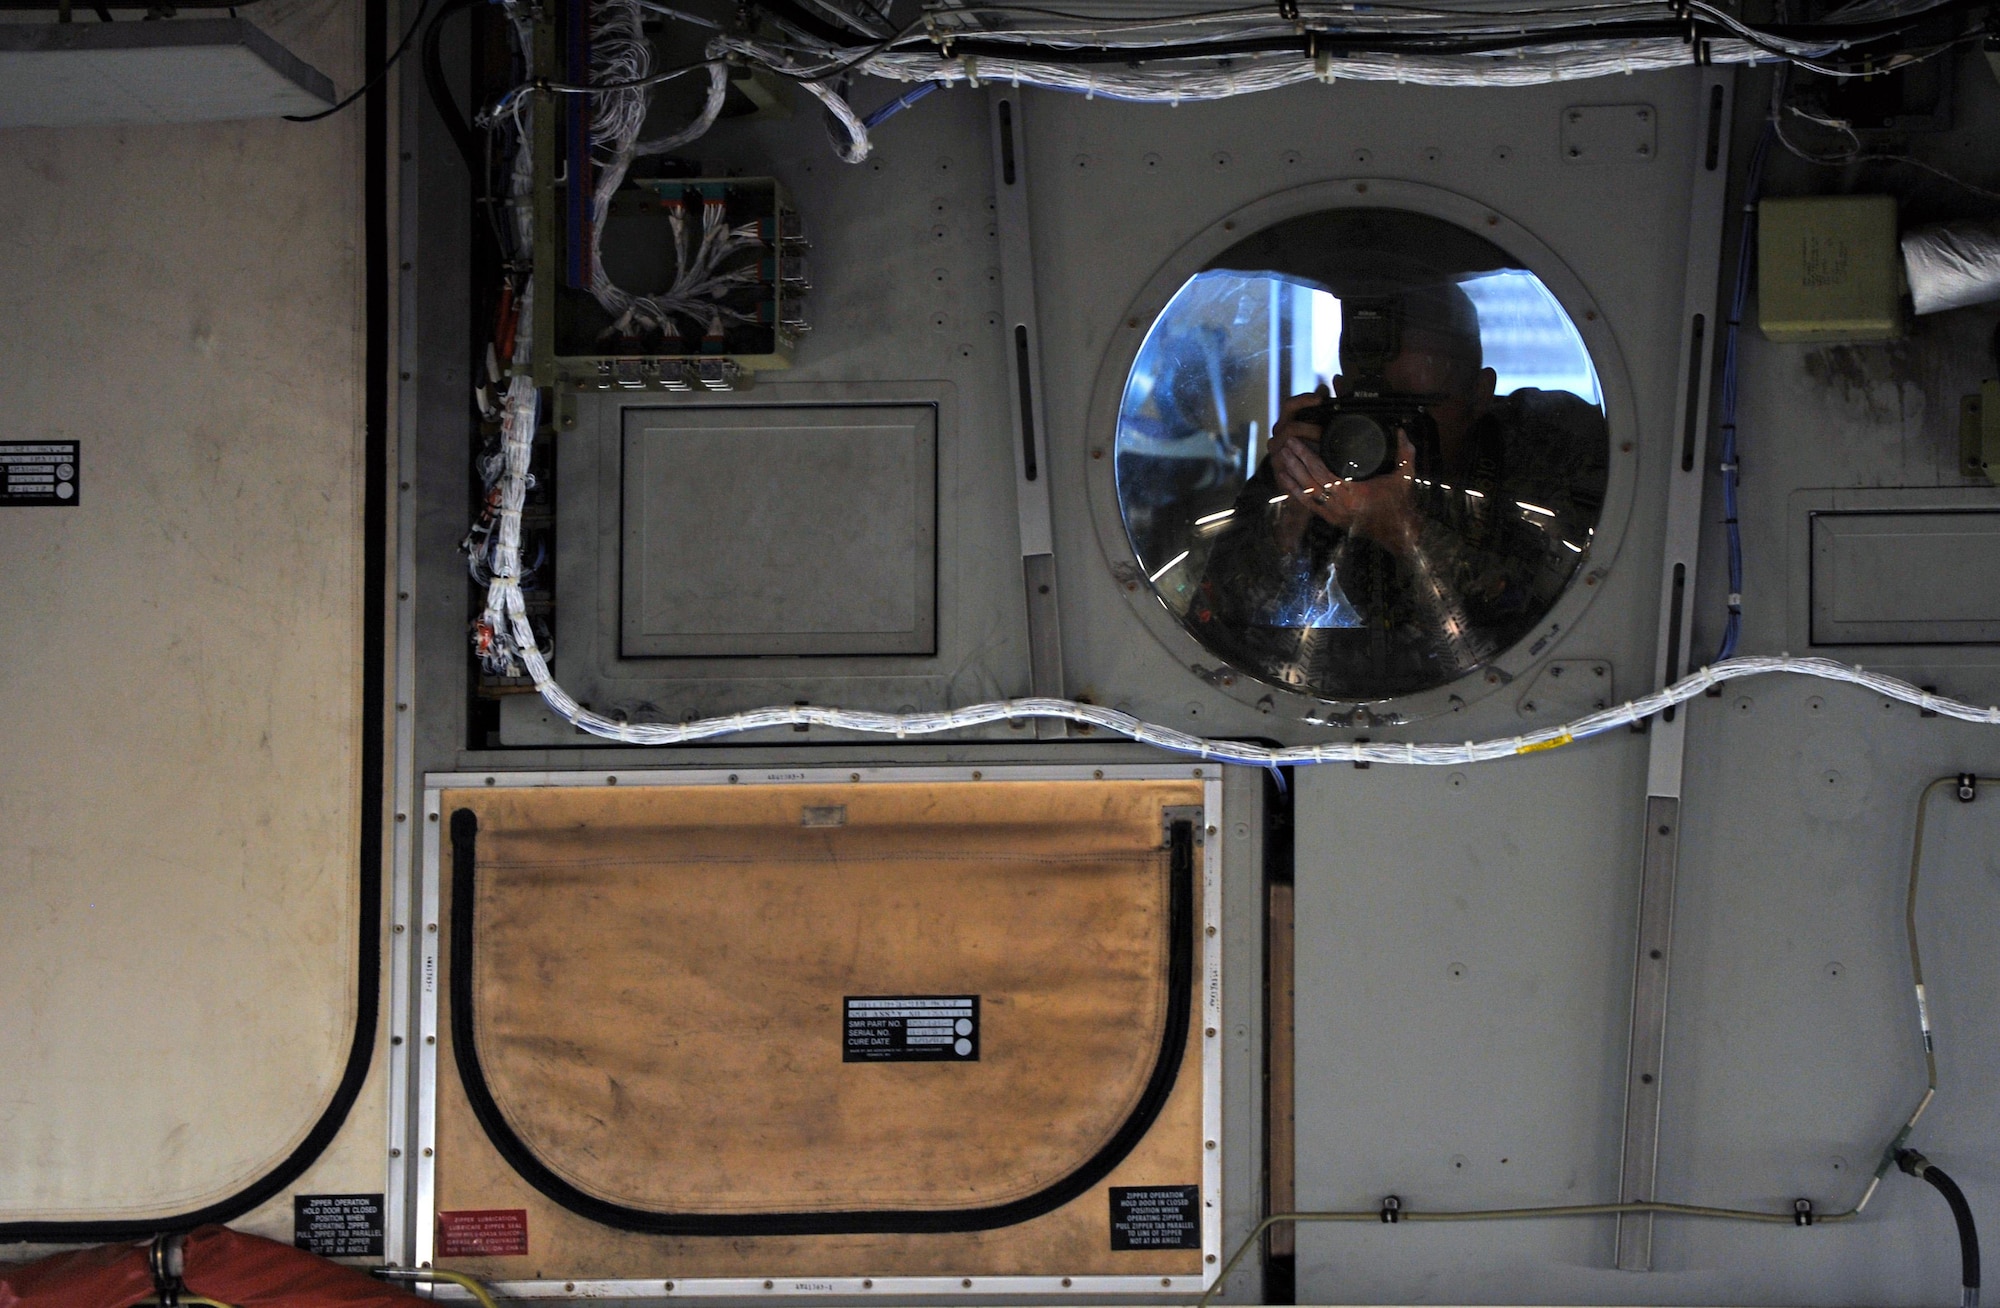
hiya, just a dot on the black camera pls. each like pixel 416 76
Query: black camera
pixel 1361 436
pixel 1361 433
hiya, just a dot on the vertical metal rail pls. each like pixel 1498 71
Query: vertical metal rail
pixel 542 131
pixel 400 1195
pixel 1024 388
pixel 1686 476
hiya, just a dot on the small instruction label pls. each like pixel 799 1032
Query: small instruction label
pixel 40 472
pixel 911 1029
pixel 338 1225
pixel 483 1233
pixel 1155 1217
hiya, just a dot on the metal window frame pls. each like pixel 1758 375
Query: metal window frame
pixel 415 1024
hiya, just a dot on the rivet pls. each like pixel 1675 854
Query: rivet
pixel 670 1287
pixel 1211 1258
pixel 1211 931
pixel 976 776
pixel 402 817
pixel 395 1040
pixel 1211 831
pixel 395 1153
pixel 854 776
pixel 767 1285
pixel 732 778
pixel 1210 1144
pixel 1065 1282
pixel 611 781
pixel 1166 1280
pixel 430 1039
pixel 1211 1033
pixel 1197 771
pixel 399 928
pixel 868 1283
pixel 967 1282
pixel 1099 774
pixel 489 781
pixel 434 817
pixel 428 1151
pixel 431 927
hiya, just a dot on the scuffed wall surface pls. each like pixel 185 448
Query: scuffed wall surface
pixel 179 791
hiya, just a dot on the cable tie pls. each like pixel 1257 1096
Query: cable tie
pixel 1736 600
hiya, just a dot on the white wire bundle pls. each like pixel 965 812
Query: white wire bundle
pixel 1161 79
pixel 621 54
pixel 1170 84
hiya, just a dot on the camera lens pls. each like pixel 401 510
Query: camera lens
pixel 1355 446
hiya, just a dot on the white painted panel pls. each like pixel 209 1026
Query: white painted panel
pixel 179 783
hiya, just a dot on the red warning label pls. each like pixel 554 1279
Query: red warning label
pixel 483 1232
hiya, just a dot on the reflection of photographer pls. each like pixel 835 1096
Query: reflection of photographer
pixel 1410 376
pixel 1408 525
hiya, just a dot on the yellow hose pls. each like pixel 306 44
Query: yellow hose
pixel 460 1279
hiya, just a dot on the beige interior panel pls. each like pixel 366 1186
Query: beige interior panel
pixel 659 976
pixel 179 783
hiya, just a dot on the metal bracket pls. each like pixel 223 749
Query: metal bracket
pixel 1024 377
pixel 1686 478
pixel 1188 813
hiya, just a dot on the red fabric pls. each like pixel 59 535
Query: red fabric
pixel 249 1271
pixel 246 1271
pixel 109 1276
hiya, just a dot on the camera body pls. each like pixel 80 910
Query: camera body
pixel 1361 433
pixel 1361 436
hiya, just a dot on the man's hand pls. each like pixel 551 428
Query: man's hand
pixel 1380 508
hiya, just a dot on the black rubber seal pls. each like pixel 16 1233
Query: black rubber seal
pixel 1160 1085
pixel 374 657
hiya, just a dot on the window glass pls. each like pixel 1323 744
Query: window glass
pixel 1361 454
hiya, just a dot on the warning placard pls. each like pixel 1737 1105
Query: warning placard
pixel 483 1233
pixel 338 1225
pixel 1156 1217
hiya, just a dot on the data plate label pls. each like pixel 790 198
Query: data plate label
pixel 910 1029
pixel 40 472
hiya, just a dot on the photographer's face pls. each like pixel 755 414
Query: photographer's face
pixel 1432 367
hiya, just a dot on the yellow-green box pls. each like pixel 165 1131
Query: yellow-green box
pixel 1829 269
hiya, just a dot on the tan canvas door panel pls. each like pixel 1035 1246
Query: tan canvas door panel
pixel 655 992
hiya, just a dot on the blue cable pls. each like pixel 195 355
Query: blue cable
pixel 1753 181
pixel 900 103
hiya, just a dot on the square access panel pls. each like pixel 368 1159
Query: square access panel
pixel 1910 578
pixel 779 530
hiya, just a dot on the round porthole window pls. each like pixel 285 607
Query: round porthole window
pixel 1361 454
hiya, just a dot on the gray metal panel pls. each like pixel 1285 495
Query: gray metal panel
pixel 1779 546
pixel 179 71
pixel 760 530
pixel 1463 938
pixel 1906 578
